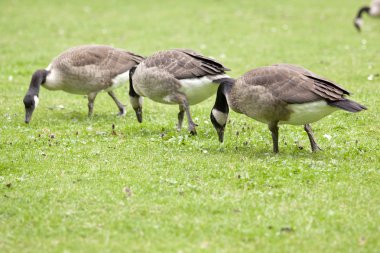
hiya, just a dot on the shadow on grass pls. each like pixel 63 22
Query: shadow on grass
pixel 259 152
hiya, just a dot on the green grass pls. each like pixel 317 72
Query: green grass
pixel 63 178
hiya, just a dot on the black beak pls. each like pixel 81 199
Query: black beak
pixel 357 27
pixel 138 111
pixel 220 132
pixel 28 114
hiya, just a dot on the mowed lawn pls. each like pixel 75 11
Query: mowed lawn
pixel 69 183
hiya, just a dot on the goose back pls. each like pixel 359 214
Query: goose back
pixel 84 69
pixel 185 64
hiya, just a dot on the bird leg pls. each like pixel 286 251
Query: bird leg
pixel 119 105
pixel 183 106
pixel 190 121
pixel 91 98
pixel 313 143
pixel 274 130
pixel 181 114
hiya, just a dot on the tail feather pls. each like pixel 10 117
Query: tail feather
pixel 348 105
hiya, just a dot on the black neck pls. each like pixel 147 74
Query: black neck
pixel 362 10
pixel 38 78
pixel 132 91
pixel 221 100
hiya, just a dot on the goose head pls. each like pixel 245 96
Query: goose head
pixel 30 102
pixel 219 121
pixel 219 113
pixel 135 100
pixel 358 23
pixel 31 98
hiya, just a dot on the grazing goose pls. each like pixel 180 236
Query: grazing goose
pixel 178 76
pixel 85 70
pixel 372 10
pixel 280 94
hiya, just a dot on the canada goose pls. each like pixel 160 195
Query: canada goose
pixel 86 70
pixel 280 94
pixel 178 76
pixel 372 10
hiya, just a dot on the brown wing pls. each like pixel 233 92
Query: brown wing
pixel 96 61
pixel 322 82
pixel 291 86
pixel 185 63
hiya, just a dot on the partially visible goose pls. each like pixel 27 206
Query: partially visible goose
pixel 372 10
pixel 178 76
pixel 83 70
pixel 280 94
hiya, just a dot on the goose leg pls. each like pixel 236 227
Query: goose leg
pixel 184 105
pixel 182 100
pixel 274 130
pixel 119 105
pixel 313 143
pixel 181 115
pixel 91 98
pixel 190 121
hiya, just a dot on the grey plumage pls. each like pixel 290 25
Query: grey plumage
pixel 86 70
pixel 184 64
pixel 91 68
pixel 178 76
pixel 282 94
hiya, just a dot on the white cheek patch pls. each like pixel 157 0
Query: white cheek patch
pixel 136 102
pixel 36 101
pixel 359 22
pixel 220 117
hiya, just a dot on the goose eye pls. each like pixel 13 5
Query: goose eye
pixel 28 102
